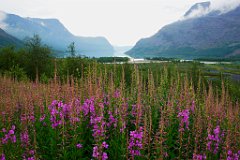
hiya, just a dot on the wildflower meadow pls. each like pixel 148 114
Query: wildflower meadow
pixel 151 115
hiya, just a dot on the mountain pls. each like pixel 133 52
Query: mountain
pixel 195 9
pixel 54 34
pixel 200 34
pixel 6 39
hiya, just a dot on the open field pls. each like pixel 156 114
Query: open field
pixel 145 111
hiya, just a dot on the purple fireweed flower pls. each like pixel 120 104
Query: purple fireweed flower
pixel 5 139
pixel 104 156
pixel 59 113
pixel 95 152
pixel 11 132
pixel 101 105
pixel 85 109
pixel 74 120
pixel 9 135
pixel 214 140
pixel 66 109
pixel 92 109
pixel 54 103
pixel 88 107
pixel 232 156
pixel 105 145
pixel 123 128
pixel 199 157
pixel 29 155
pixel 217 130
pixel 25 117
pixel 184 119
pixel 13 139
pixel 134 110
pixel 24 138
pixel 13 127
pixel 2 157
pixel 31 152
pixel 60 104
pixel 79 146
pixel 4 130
pixel 31 118
pixel 117 94
pixel 111 120
pixel 165 154
pixel 106 102
pixel 98 125
pixel 229 152
pixel 42 117
pixel 209 145
pixel 135 142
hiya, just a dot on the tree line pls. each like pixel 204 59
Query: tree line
pixel 37 61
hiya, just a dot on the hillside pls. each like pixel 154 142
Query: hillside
pixel 6 39
pixel 54 34
pixel 212 34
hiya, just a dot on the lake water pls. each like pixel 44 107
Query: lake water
pixel 117 54
pixel 121 50
pixel 121 53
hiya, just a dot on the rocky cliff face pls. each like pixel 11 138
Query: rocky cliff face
pixel 209 34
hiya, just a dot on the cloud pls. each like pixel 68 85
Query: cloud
pixel 3 16
pixel 216 5
pixel 198 12
pixel 224 5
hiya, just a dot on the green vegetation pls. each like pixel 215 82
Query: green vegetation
pixel 111 59
pixel 161 59
pixel 231 59
pixel 35 59
pixel 72 50
pixel 79 108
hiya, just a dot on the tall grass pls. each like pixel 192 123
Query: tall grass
pixel 101 115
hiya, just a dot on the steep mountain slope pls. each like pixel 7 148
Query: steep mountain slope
pixel 198 9
pixel 212 34
pixel 54 34
pixel 6 39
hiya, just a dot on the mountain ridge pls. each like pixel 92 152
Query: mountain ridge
pixel 193 37
pixel 6 40
pixel 56 35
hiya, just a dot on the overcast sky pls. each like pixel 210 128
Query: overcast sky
pixel 122 22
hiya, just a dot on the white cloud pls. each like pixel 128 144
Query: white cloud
pixel 3 25
pixel 224 5
pixel 200 11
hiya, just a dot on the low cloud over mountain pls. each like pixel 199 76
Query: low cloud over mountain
pixel 3 25
pixel 215 6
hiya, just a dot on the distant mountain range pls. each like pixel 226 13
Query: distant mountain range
pixel 54 34
pixel 202 33
pixel 6 40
